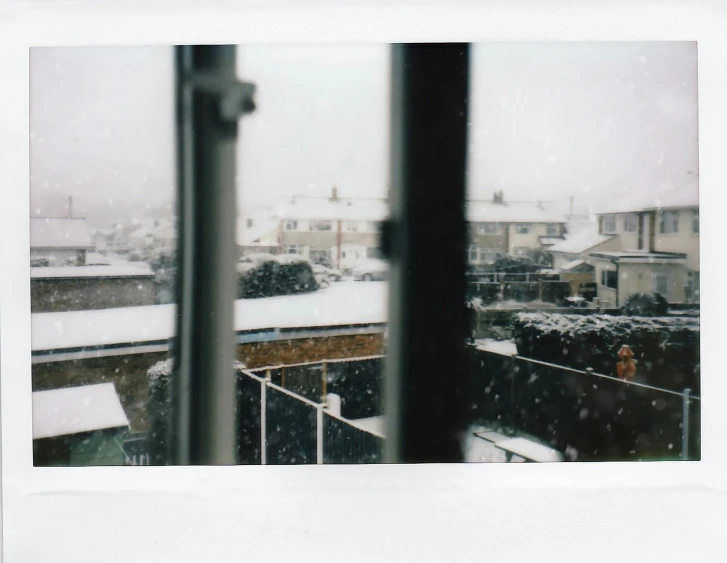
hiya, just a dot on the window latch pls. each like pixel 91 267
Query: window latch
pixel 234 98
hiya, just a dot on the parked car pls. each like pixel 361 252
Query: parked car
pixel 371 269
pixel 330 274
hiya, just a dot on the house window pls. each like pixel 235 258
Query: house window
pixel 473 252
pixel 661 283
pixel 609 224
pixel 669 222
pixel 551 229
pixel 374 253
pixel 489 229
pixel 374 226
pixel 695 222
pixel 321 256
pixel 291 225
pixel 350 226
pixel 631 223
pixel 609 279
pixel 523 228
pixel 321 225
pixel 293 249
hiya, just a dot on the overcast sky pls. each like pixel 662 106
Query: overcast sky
pixel 549 121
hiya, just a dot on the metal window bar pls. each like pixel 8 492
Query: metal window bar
pixel 209 102
pixel 428 355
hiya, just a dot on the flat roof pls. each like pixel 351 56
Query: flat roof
pixel 639 254
pixel 72 410
pixel 96 271
pixel 344 303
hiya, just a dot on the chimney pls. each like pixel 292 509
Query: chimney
pixel 498 197
pixel 334 193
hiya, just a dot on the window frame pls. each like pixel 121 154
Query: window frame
pixel 288 222
pixel 523 228
pixel 489 228
pixel 664 222
pixel 551 229
pixel 631 220
pixel 609 224
pixel 314 224
pixel 609 276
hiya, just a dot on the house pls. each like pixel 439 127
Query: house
pixel 78 426
pixel 579 244
pixel 59 241
pixel 663 231
pixel 329 230
pixel 258 235
pixel 154 234
pixel 505 227
pixel 622 273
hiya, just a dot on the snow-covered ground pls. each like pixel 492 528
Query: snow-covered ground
pixel 343 303
pixel 476 449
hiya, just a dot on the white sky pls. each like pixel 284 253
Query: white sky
pixel 549 121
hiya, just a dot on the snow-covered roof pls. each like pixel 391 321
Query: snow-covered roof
pixel 72 410
pixel 56 233
pixel 343 303
pixel 640 254
pixel 513 212
pixel 580 241
pixel 100 271
pixel 573 264
pixel 549 241
pixel 163 230
pixel 326 209
pixel 264 232
pixel 686 196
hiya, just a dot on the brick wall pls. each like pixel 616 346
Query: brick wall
pixel 128 372
pixel 62 294
pixel 297 351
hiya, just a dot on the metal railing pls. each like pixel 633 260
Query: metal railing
pixel 277 426
pixel 592 415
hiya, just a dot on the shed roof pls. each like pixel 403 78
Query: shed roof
pixel 73 410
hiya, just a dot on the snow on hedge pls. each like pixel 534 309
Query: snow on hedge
pixel 163 369
pixel 572 324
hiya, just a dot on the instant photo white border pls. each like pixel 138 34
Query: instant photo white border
pixel 580 511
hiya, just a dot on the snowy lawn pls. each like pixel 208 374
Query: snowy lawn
pixel 343 303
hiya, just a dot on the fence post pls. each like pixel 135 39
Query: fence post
pixel 686 399
pixel 325 381
pixel 513 405
pixel 264 419
pixel 319 434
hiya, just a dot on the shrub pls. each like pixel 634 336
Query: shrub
pixel 666 348
pixel 645 305
pixel 271 278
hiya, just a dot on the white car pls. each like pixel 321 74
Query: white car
pixel 372 269
pixel 329 274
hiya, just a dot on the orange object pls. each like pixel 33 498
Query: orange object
pixel 626 368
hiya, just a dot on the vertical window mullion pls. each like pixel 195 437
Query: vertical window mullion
pixel 427 367
pixel 204 385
